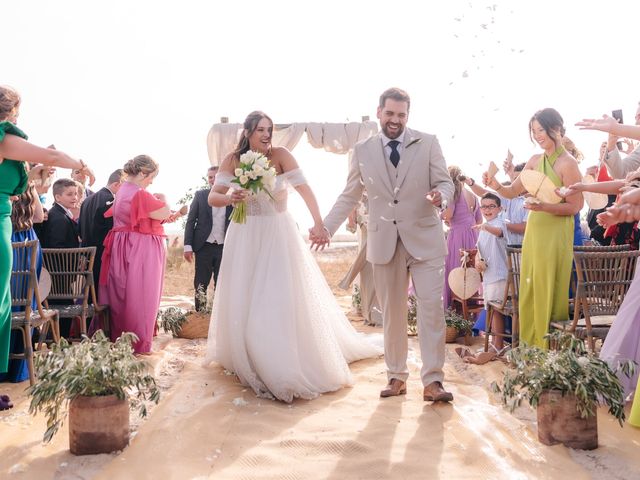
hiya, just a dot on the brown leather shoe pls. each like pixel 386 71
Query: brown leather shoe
pixel 435 392
pixel 396 387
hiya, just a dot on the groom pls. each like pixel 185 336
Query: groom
pixel 407 182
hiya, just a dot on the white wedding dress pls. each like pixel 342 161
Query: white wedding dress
pixel 275 322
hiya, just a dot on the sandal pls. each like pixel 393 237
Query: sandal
pixel 5 402
pixel 463 352
pixel 480 358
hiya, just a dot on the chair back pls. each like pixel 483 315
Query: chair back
pixel 514 257
pixel 604 278
pixel 24 283
pixel 602 248
pixel 71 271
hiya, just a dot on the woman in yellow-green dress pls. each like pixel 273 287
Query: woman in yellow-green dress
pixel 15 153
pixel 547 248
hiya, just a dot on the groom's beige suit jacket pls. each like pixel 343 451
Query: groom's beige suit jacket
pixel 397 206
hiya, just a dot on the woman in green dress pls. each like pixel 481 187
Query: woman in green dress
pixel 15 154
pixel 547 248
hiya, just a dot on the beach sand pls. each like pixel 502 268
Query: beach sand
pixel 207 425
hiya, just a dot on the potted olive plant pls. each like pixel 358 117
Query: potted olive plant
pixel 565 384
pixel 456 325
pixel 188 324
pixel 99 381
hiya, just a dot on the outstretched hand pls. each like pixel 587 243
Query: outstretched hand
pixel 604 124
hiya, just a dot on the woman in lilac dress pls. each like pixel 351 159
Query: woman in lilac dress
pixel 460 217
pixel 134 256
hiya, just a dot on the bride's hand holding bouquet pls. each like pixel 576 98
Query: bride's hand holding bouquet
pixel 253 174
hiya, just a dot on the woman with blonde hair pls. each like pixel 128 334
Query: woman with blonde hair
pixel 15 153
pixel 134 255
pixel 460 217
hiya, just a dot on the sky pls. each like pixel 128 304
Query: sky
pixel 105 81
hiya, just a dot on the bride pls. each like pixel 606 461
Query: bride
pixel 275 322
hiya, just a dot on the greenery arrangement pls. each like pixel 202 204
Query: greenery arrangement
pixel 412 322
pixel 453 319
pixel 568 368
pixel 93 367
pixel 172 319
pixel 356 298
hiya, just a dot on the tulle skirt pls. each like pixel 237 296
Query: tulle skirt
pixel 275 322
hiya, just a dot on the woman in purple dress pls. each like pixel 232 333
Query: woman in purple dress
pixel 460 217
pixel 134 255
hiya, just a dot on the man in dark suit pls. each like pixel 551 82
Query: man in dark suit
pixel 93 226
pixel 60 230
pixel 204 236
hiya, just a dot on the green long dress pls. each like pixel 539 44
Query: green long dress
pixel 547 253
pixel 13 181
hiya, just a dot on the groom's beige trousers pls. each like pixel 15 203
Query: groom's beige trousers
pixel 392 282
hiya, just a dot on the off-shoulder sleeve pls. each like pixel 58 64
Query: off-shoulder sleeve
pixel 295 177
pixel 142 204
pixel 223 179
pixel 11 129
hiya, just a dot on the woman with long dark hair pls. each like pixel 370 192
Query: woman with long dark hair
pixel 547 248
pixel 275 322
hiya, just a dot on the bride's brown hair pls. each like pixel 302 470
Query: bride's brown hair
pixel 250 126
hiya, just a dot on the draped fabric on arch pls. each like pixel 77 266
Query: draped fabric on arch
pixel 332 137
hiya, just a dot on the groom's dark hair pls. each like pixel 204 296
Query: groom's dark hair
pixel 396 94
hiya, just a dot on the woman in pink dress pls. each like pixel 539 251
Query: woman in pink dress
pixel 134 256
pixel 460 217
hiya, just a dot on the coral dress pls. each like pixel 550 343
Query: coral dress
pixel 460 235
pixel 133 265
pixel 547 255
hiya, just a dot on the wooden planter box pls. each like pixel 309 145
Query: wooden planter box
pixel 196 326
pixel 560 422
pixel 98 425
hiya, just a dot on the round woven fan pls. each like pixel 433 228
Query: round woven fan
pixel 596 201
pixel 44 284
pixel 540 186
pixel 464 282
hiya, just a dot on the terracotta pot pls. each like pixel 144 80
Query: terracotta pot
pixel 196 326
pixel 451 334
pixel 98 424
pixel 559 422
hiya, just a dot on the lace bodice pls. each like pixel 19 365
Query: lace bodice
pixel 262 204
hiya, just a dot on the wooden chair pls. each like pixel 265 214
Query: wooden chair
pixel 71 271
pixel 603 279
pixel 508 306
pixel 574 312
pixel 24 288
pixel 475 303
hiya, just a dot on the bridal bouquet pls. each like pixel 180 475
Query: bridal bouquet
pixel 253 174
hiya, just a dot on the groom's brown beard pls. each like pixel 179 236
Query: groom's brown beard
pixel 389 135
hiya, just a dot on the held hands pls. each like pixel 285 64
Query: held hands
pixel 319 237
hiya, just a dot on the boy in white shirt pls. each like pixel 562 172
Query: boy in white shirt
pixel 491 260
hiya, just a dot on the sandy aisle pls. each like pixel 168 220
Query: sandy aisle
pixel 202 430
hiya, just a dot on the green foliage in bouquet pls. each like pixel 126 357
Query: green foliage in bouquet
pixel 93 367
pixel 568 368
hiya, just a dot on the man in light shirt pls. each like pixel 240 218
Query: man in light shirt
pixel 204 237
